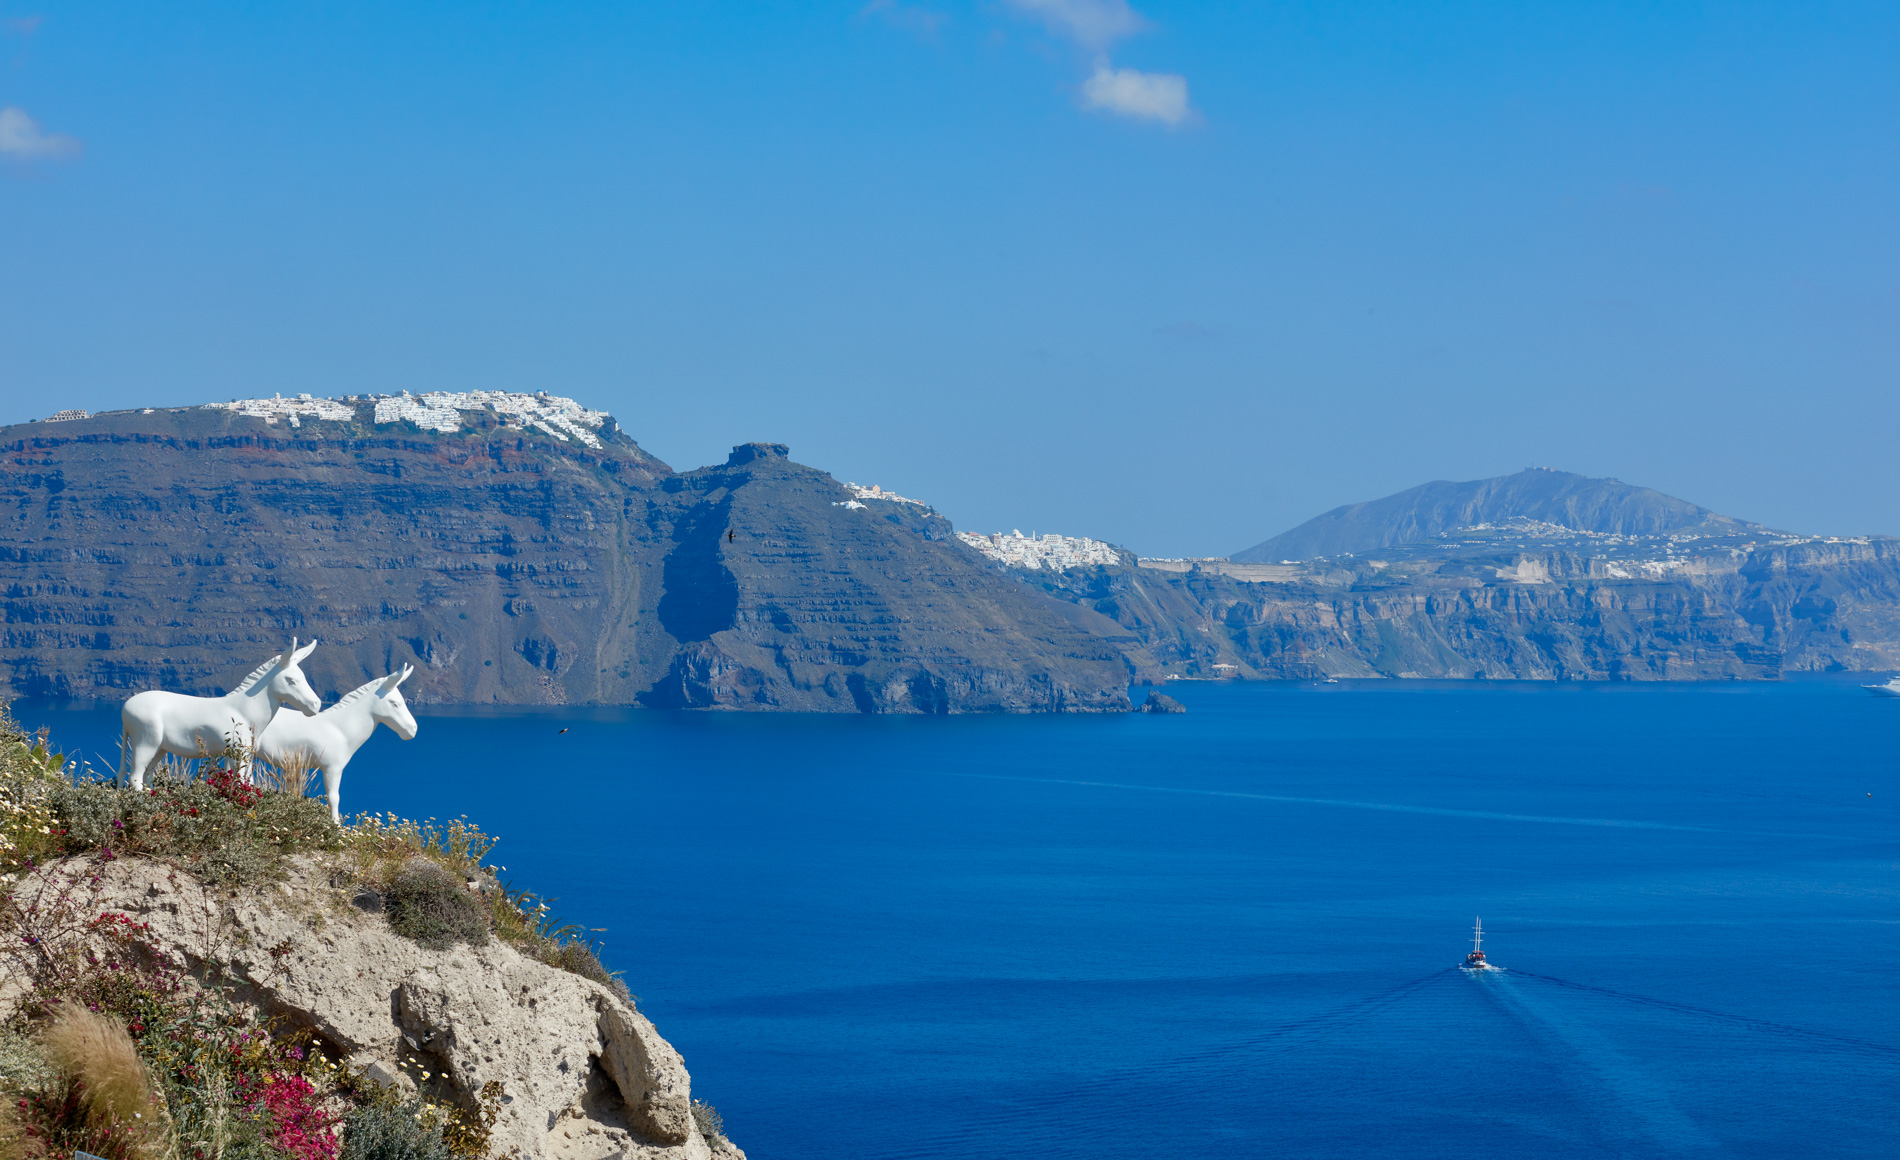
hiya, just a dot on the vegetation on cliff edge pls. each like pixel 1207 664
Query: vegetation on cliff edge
pixel 109 1051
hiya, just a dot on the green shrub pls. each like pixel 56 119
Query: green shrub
pixel 224 832
pixel 577 958
pixel 23 1064
pixel 392 1131
pixel 433 907
pixel 711 1124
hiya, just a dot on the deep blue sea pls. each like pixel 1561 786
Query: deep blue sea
pixel 1232 932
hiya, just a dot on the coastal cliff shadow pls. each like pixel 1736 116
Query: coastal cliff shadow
pixel 702 595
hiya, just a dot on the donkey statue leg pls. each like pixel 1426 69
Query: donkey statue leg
pixel 333 787
pixel 141 736
pixel 140 753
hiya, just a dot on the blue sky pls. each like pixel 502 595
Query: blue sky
pixel 1174 275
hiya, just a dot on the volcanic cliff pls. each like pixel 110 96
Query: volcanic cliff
pixel 1541 575
pixel 514 559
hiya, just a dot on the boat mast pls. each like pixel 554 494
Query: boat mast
pixel 1477 935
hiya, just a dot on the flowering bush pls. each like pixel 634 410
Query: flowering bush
pixel 29 774
pixel 229 785
pixel 198 1078
pixel 222 1084
pixel 217 827
pixel 298 1125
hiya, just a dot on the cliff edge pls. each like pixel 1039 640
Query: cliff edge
pixel 276 986
pixel 585 1075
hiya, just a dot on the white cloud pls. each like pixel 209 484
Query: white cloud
pixel 22 139
pixel 1095 24
pixel 1145 96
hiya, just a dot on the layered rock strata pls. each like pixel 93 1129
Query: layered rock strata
pixel 1813 606
pixel 511 564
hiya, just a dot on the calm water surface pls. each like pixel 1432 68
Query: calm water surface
pixel 1231 932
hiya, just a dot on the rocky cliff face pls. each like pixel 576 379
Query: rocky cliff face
pixel 780 596
pixel 1539 575
pixel 511 563
pixel 1811 606
pixel 586 1076
pixel 514 561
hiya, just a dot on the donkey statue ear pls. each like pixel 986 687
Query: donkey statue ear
pixel 407 669
pixel 389 684
pixel 303 652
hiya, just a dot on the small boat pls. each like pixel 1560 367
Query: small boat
pixel 1890 689
pixel 1475 961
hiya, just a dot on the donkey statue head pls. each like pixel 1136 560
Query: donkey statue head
pixel 390 709
pixel 286 684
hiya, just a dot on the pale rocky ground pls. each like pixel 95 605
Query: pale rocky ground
pixel 587 1076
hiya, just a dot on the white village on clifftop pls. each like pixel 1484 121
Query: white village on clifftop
pixel 560 417
pixel 1046 551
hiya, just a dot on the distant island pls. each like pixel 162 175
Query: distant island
pixel 523 549
pixel 1541 575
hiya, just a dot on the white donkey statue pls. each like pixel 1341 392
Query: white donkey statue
pixel 328 740
pixel 158 722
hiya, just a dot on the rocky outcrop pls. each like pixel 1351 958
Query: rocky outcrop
pixel 780 596
pixel 586 1076
pixel 1162 703
pixel 175 549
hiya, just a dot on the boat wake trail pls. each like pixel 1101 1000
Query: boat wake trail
pixel 1096 1099
pixel 1343 803
pixel 1319 1025
pixel 1637 1112
pixel 1847 1043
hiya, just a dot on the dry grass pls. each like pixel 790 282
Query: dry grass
pixel 13 1137
pixel 378 847
pixel 115 1091
pixel 292 777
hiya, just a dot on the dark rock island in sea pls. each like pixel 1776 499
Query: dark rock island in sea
pixel 517 549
